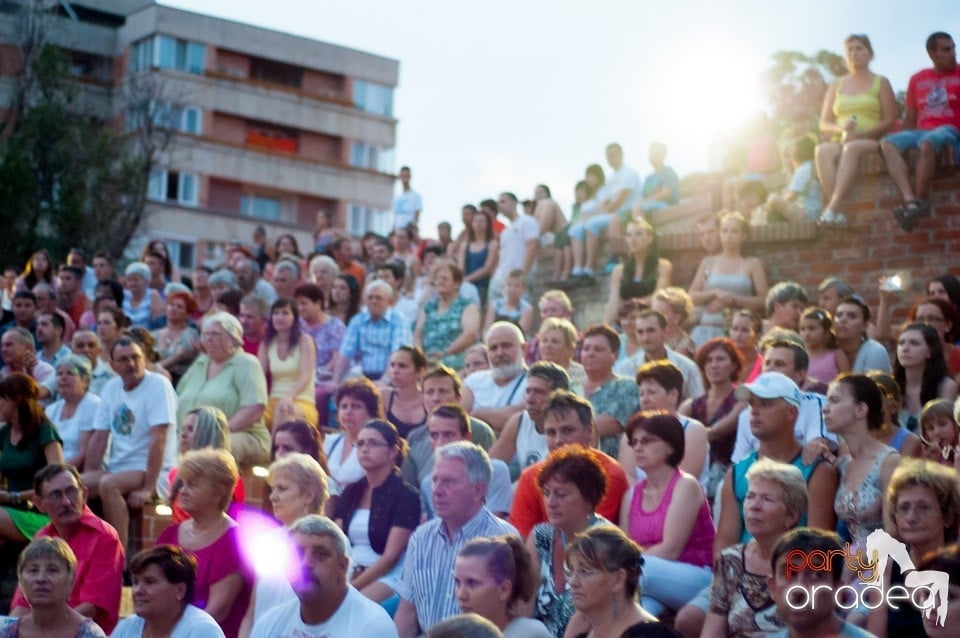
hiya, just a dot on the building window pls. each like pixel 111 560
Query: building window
pixel 191 120
pixel 364 155
pixel 361 219
pixel 173 186
pixel 187 120
pixel 373 98
pixel 260 207
pixel 168 53
pixel 182 253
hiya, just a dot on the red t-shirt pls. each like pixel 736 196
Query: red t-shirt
pixel 528 508
pixel 99 574
pixel 935 97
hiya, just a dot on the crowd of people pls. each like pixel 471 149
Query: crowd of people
pixel 446 458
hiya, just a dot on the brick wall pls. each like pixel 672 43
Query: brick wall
pixel 872 246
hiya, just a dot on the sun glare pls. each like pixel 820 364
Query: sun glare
pixel 706 92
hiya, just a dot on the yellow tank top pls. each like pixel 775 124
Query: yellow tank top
pixel 284 373
pixel 866 105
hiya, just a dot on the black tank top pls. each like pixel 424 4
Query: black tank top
pixel 630 289
pixel 403 427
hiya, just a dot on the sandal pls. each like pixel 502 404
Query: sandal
pixel 831 219
pixel 912 211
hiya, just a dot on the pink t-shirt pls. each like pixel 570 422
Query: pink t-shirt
pixel 646 528
pixel 935 97
pixel 215 562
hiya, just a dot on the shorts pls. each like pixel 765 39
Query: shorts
pixel 702 600
pixel 562 238
pixel 938 137
pixel 27 522
pixel 654 206
pixel 593 225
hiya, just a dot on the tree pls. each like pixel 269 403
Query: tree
pixel 796 83
pixel 69 178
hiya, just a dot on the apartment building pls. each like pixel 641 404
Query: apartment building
pixel 270 127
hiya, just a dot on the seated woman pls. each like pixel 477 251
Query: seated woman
pixel 177 341
pixel 289 359
pixel 630 311
pixel 28 442
pixel 720 364
pixel 642 272
pixel 675 305
pixel 572 482
pixel 854 408
pixel 73 413
pixel 480 253
pixel 164 587
pixel 941 315
pixel 475 360
pixel 224 580
pixel 740 600
pixel 924 505
pixel 357 400
pixel 727 281
pixel 892 433
pixel 111 322
pixel 449 323
pixel 858 109
pixel 605 567
pixel 203 427
pixel 557 341
pixel 344 298
pixel 668 514
pixel 228 378
pixel 378 512
pixel 484 568
pixel 144 304
pixel 46 569
pixel 298 487
pixel 403 396
pixel 327 334
pixel 921 371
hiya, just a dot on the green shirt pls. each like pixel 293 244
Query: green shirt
pixel 20 462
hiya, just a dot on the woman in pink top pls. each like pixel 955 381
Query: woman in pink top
pixel 667 514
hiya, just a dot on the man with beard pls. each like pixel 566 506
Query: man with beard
pixel 328 605
pixel 497 394
pixel 522 441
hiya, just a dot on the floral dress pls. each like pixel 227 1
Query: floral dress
pixel 440 330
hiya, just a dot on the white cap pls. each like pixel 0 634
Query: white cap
pixel 771 385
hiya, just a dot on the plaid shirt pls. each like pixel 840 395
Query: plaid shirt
pixel 371 342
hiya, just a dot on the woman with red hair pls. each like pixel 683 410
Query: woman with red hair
pixel 177 342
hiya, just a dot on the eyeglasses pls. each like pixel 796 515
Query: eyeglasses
pixel 644 441
pixel 71 494
pixel 922 509
pixel 579 573
pixel 370 444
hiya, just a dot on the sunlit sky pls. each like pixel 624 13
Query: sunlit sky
pixel 502 95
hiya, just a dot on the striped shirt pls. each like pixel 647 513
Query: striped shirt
pixel 428 566
pixel 371 342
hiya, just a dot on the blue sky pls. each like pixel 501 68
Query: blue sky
pixel 502 95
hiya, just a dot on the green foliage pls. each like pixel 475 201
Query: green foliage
pixel 66 179
pixel 796 83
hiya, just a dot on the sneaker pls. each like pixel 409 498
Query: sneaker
pixel 831 218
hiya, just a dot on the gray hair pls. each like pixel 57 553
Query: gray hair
pixel 24 337
pixel 289 265
pixel 176 286
pixel 322 261
pixel 80 366
pixel 788 478
pixel 378 283
pixel 306 472
pixel 223 276
pixel 843 288
pixel 258 303
pixel 138 268
pixel 317 525
pixel 509 325
pixel 230 325
pixel 211 428
pixel 475 460
pixel 464 626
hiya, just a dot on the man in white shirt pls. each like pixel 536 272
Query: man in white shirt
pixel 790 360
pixel 651 335
pixel 328 605
pixel 496 394
pixel 136 411
pixel 408 204
pixel 519 246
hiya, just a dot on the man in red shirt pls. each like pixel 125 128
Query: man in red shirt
pixel 100 557
pixel 568 421
pixel 932 121
pixel 341 249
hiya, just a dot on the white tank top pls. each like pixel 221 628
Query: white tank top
pixel 531 445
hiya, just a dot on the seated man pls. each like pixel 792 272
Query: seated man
pixel 372 335
pixel 50 329
pixel 448 423
pixel 87 344
pixel 460 479
pixel 785 303
pixel 439 386
pixel 522 441
pixel 254 314
pixel 614 397
pixel 932 121
pixel 802 199
pixel 496 394
pixel 328 604
pixel 136 411
pixel 569 421
pixel 61 495
pixel 19 354
pixel 24 310
pixel 810 610
pixel 652 337
pixel 661 188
